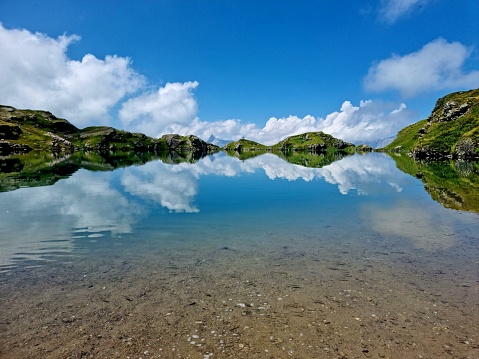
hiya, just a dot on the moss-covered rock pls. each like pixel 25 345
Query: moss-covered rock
pixel 188 143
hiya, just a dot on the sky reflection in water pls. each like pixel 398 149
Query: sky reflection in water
pixel 358 195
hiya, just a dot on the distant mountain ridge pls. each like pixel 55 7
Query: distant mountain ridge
pixel 381 142
pixel 218 142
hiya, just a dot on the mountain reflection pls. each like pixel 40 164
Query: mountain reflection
pixel 454 184
pixel 75 205
pixel 174 186
pixel 92 203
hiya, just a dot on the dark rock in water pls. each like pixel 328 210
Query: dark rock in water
pixel 9 165
pixel 425 153
pixel 10 132
pixel 7 148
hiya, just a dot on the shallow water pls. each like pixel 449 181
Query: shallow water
pixel 227 258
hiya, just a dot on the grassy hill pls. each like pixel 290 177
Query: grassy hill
pixel 317 142
pixel 245 145
pixel 452 129
pixel 312 141
pixel 22 131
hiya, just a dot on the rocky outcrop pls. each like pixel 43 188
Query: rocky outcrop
pixel 38 119
pixel 188 144
pixel 59 144
pixel 450 111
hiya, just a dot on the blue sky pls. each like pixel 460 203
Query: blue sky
pixel 360 70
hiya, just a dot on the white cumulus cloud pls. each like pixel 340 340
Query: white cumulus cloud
pixel 150 113
pixel 37 73
pixel 369 121
pixel 437 65
pixel 391 11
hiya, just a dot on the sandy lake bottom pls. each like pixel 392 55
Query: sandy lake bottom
pixel 274 298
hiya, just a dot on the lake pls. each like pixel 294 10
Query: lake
pixel 240 258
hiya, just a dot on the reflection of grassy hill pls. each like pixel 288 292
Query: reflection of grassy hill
pixel 451 129
pixel 36 168
pixel 309 159
pixel 454 184
pixel 312 149
pixel 246 155
pixel 39 148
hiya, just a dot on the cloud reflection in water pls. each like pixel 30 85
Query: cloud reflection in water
pixel 89 204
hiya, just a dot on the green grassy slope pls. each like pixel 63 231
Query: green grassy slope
pixel 452 129
pixel 312 141
pixel 26 130
pixel 245 145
